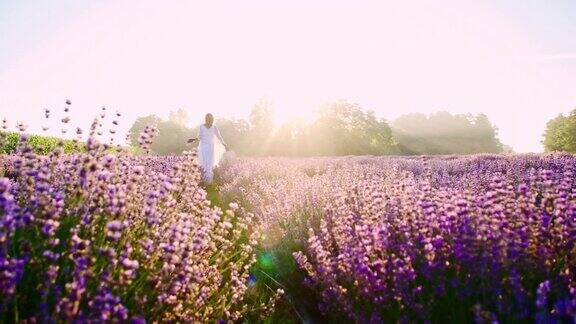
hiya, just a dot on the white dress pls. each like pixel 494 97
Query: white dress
pixel 210 150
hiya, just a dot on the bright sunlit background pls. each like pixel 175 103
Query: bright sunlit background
pixel 513 60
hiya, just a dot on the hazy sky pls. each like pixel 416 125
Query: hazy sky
pixel 513 60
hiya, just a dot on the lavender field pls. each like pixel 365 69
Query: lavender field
pixel 482 238
pixel 96 236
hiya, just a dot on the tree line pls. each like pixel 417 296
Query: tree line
pixel 340 128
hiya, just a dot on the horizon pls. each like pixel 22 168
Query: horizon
pixel 514 62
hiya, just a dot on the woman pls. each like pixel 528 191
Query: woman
pixel 210 149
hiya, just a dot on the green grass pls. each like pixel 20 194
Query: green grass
pixel 212 194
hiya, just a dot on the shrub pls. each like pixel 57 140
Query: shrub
pixel 98 237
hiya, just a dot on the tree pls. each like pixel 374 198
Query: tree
pixel 486 135
pixel 139 125
pixel 261 128
pixel 445 133
pixel 288 139
pixel 560 133
pixel 179 117
pixel 171 138
pixel 343 128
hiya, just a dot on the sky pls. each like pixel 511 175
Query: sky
pixel 512 60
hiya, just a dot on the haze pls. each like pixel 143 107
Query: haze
pixel 513 60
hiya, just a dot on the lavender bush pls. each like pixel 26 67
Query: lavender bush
pixel 100 237
pixel 479 238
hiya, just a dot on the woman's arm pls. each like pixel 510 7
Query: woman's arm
pixel 217 133
pixel 194 139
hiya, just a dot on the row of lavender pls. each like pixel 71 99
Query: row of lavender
pixel 98 237
pixel 481 238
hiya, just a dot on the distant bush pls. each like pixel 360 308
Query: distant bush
pixel 40 144
pixel 43 145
